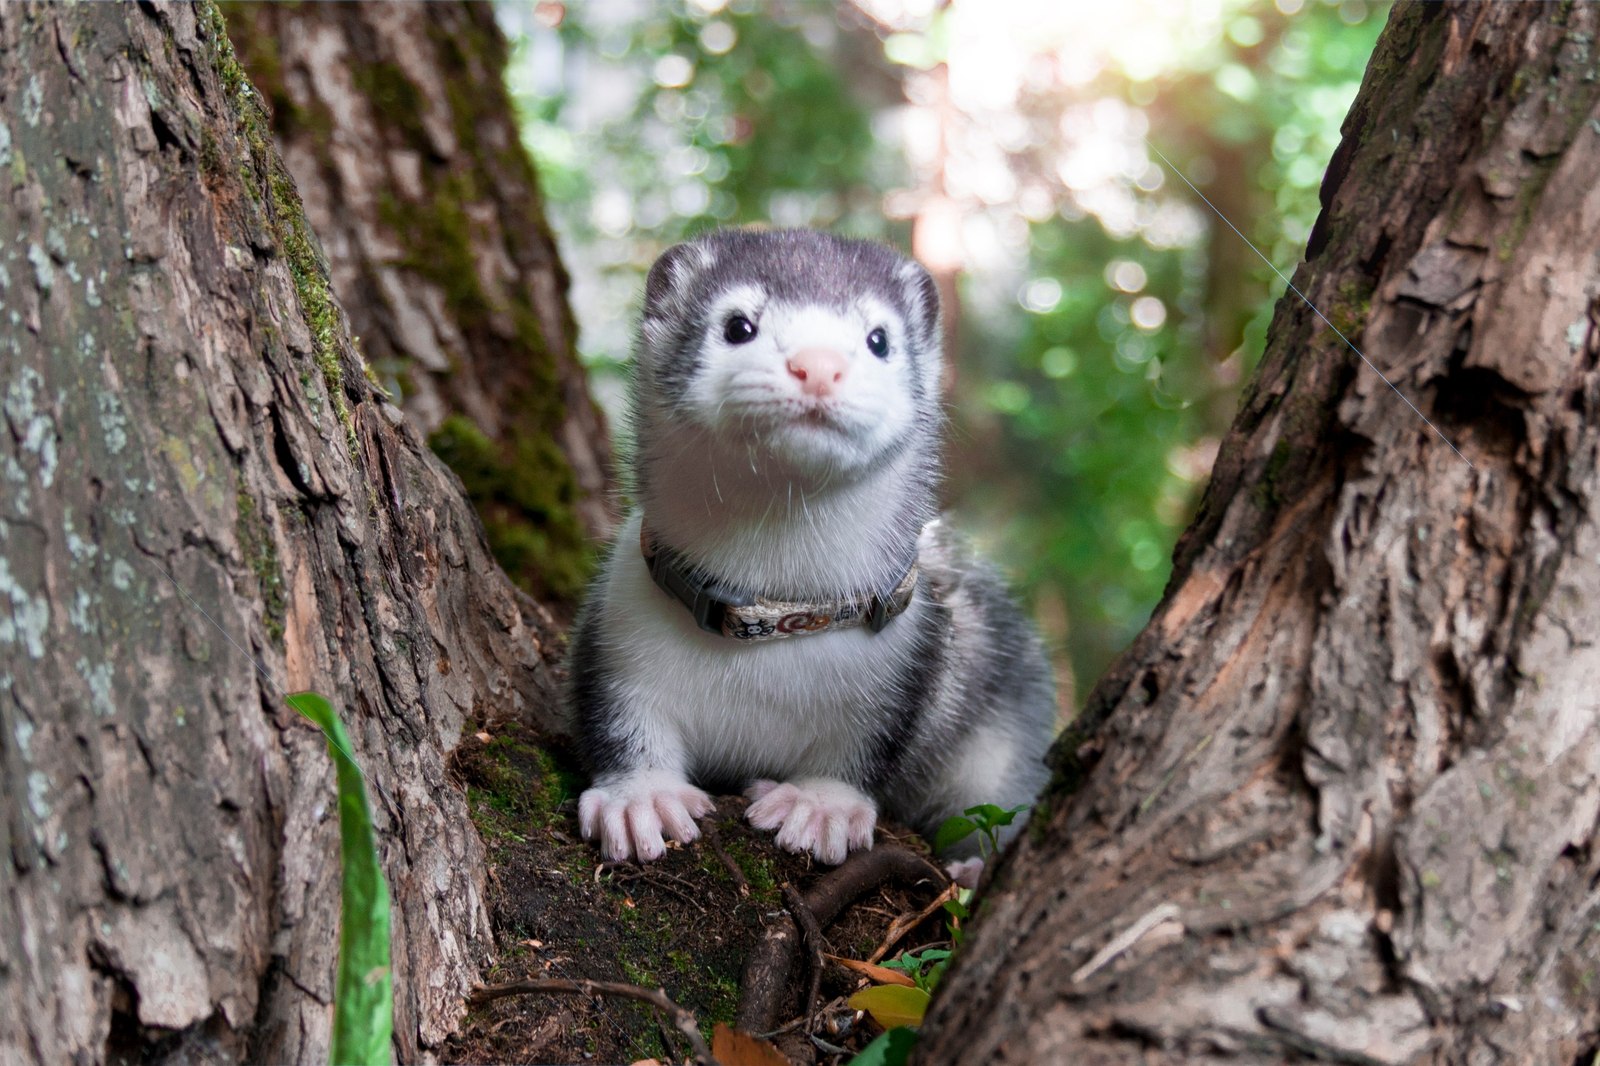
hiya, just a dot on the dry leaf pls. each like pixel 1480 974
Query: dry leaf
pixel 734 1047
pixel 881 974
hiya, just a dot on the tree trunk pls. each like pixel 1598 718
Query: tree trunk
pixel 1338 802
pixel 181 395
pixel 395 122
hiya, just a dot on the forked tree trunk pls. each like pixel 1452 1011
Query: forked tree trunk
pixel 395 122
pixel 1346 781
pixel 181 394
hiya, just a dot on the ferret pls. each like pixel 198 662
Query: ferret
pixel 783 610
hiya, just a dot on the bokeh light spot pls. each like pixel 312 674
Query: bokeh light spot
pixel 1041 295
pixel 673 71
pixel 1125 275
pixel 1148 313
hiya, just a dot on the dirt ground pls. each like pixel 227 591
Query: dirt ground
pixel 685 924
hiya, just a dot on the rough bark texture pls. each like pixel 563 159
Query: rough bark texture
pixel 1349 774
pixel 395 122
pixel 180 393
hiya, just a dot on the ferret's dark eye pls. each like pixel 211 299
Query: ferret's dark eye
pixel 878 343
pixel 739 330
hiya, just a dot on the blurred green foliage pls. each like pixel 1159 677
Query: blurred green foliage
pixel 1104 429
pixel 1090 397
pixel 758 115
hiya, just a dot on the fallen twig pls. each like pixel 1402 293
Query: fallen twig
pixel 907 922
pixel 657 998
pixel 715 840
pixel 667 1040
pixel 796 1022
pixel 656 879
pixel 1166 912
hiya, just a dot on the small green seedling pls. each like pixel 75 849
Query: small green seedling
pixel 959 909
pixel 923 967
pixel 986 819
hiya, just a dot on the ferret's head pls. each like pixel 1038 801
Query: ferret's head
pixel 816 357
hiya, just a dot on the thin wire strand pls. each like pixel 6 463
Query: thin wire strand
pixel 273 685
pixel 1271 266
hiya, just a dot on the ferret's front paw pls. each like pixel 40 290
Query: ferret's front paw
pixel 827 818
pixel 629 814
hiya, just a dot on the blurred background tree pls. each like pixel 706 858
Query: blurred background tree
pixel 1100 319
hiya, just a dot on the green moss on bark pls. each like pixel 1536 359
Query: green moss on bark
pixel 394 97
pixel 519 480
pixel 524 491
pixel 261 556
pixel 522 484
pixel 286 216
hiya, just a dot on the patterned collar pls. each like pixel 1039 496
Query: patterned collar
pixel 729 612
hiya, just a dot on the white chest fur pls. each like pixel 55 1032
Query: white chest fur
pixel 796 707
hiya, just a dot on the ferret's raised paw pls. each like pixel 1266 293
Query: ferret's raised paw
pixel 825 817
pixel 629 815
pixel 965 872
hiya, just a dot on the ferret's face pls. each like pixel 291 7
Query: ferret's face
pixel 816 352
pixel 825 387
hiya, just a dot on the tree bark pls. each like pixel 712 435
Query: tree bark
pixel 1338 802
pixel 181 395
pixel 395 122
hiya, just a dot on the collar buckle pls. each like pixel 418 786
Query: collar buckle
pixel 708 604
pixel 878 614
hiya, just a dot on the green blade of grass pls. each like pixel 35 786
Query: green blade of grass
pixel 363 1017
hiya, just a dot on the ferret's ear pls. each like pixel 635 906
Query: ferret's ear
pixel 670 278
pixel 922 303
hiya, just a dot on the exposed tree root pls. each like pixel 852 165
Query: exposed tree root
pixel 765 986
pixel 814 948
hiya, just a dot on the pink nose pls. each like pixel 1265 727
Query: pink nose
pixel 819 370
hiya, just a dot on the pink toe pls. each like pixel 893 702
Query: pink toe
pixel 676 819
pixel 862 822
pixel 614 834
pixel 589 811
pixel 644 826
pixel 835 841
